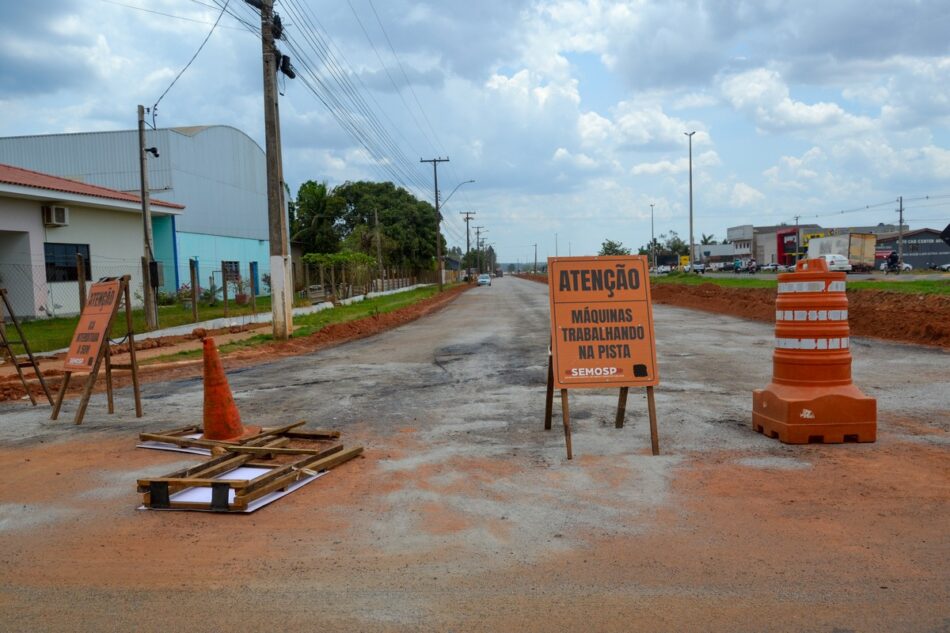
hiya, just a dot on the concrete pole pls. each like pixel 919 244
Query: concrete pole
pixel 281 283
pixel 148 293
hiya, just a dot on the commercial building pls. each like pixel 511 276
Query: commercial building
pixel 216 172
pixel 922 248
pixel 45 221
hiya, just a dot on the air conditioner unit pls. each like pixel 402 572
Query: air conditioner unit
pixel 56 216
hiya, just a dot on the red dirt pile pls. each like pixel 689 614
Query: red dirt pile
pixel 895 316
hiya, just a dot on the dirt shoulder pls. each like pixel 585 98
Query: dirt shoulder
pixel 894 316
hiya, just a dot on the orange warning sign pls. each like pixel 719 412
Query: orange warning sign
pixel 601 322
pixel 93 327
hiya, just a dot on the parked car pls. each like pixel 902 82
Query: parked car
pixel 944 267
pixel 771 267
pixel 663 268
pixel 696 267
pixel 484 279
pixel 838 263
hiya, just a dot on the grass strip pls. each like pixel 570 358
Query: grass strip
pixel 307 324
pixel 905 286
pixel 44 335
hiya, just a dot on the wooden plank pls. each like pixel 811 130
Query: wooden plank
pixel 197 482
pixel 549 396
pixel 179 431
pixel 293 473
pixel 654 436
pixel 621 408
pixel 566 415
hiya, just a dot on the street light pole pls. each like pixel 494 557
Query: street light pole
pixel 652 238
pixel 692 247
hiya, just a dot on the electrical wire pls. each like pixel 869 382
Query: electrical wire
pixel 190 61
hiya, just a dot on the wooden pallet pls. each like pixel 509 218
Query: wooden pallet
pixel 282 465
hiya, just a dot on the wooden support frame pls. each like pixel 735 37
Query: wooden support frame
pixel 7 344
pixel 159 492
pixel 104 354
pixel 618 422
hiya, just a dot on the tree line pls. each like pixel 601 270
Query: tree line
pixel 344 220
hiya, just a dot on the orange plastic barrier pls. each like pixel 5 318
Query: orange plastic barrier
pixel 222 421
pixel 811 398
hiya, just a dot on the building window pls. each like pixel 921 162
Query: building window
pixel 61 261
pixel 231 270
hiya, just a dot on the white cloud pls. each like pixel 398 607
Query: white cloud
pixel 743 195
pixel 763 96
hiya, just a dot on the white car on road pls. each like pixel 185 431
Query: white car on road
pixel 837 263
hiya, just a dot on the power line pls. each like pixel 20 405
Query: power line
pixel 167 15
pixel 193 57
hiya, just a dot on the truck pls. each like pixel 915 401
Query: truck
pixel 857 247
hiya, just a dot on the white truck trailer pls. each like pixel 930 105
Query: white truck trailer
pixel 857 247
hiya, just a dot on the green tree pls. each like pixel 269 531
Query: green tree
pixel 610 247
pixel 708 239
pixel 315 219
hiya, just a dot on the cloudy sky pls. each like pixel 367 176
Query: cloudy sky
pixel 569 115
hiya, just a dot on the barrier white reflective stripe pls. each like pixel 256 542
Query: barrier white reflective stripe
pixel 811 343
pixel 811 315
pixel 811 286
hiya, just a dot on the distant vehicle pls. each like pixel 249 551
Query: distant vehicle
pixel 484 279
pixel 782 268
pixel 857 248
pixel 771 267
pixel 696 267
pixel 944 267
pixel 837 263
pixel 663 268
pixel 499 272
pixel 904 267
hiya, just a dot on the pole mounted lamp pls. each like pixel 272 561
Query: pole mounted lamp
pixel 692 247
pixel 464 182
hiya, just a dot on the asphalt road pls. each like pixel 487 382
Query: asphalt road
pixel 465 514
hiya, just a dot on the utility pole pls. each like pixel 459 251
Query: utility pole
pixel 692 247
pixel 438 215
pixel 900 234
pixel 281 275
pixel 379 248
pixel 148 292
pixel 535 268
pixel 478 246
pixel 798 239
pixel 652 238
pixel 468 216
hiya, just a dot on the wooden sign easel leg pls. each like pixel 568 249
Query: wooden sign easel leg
pixel 60 395
pixel 90 382
pixel 654 437
pixel 549 399
pixel 566 414
pixel 109 399
pixel 621 407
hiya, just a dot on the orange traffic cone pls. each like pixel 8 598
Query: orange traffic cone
pixel 222 421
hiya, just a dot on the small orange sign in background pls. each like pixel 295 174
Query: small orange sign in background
pixel 601 322
pixel 92 329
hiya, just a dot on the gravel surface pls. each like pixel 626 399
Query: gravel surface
pixel 464 514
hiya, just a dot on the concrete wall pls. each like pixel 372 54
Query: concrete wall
pixel 211 250
pixel 115 249
pixel 22 264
